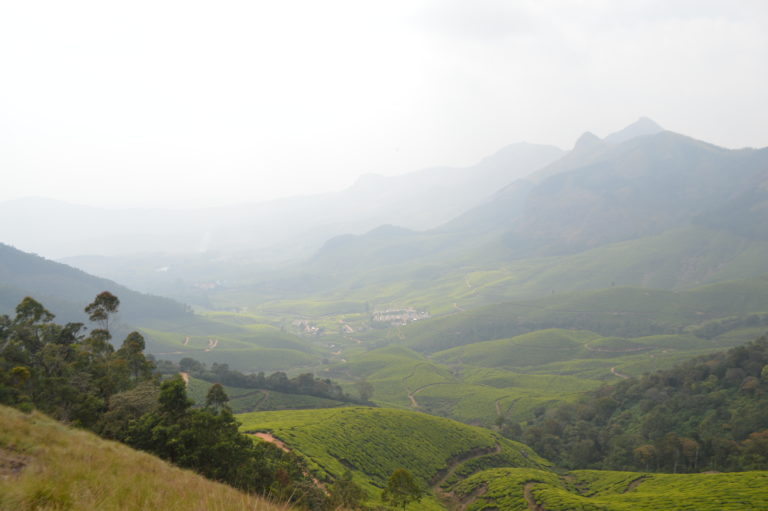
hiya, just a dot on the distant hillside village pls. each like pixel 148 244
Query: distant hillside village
pixel 399 317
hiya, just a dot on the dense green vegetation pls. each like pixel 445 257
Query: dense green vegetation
pixel 243 400
pixel 62 372
pixel 86 382
pixel 374 442
pixel 304 384
pixel 706 414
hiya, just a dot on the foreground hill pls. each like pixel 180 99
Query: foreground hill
pixel 473 469
pixel 46 465
pixel 373 442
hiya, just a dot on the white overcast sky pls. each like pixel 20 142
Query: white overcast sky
pixel 189 102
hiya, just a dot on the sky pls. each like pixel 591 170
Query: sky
pixel 190 103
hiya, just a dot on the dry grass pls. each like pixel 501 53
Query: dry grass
pixel 68 469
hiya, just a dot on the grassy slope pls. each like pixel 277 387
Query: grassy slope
pixel 676 259
pixel 243 343
pixel 373 442
pixel 473 395
pixel 67 468
pixel 249 400
pixel 593 490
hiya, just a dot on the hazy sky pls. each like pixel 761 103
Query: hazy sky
pixel 174 102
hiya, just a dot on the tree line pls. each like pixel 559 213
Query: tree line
pixel 710 413
pixel 80 378
pixel 278 381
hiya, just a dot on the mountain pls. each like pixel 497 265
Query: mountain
pixel 663 190
pixel 276 229
pixel 66 291
pixel 642 127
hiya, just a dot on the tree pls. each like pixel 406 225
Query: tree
pixel 364 389
pixel 132 353
pixel 217 399
pixel 173 397
pixel 347 494
pixel 402 489
pixel 104 305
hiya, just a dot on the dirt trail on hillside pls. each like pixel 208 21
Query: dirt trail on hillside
pixel 412 393
pixel 185 377
pixel 620 375
pixel 267 437
pixel 449 498
pixel 528 494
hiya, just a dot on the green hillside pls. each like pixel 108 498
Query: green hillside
pixel 709 413
pixel 243 400
pixel 66 290
pixel 373 442
pixel 46 465
pixel 591 490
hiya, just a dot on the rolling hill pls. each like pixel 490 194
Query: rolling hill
pixel 376 441
pixel 46 465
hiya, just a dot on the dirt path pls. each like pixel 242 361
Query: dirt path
pixel 498 406
pixel 212 343
pixel 185 377
pixel 186 341
pixel 412 393
pixel 620 375
pixel 528 494
pixel 456 305
pixel 448 498
pixel 267 437
pixel 634 483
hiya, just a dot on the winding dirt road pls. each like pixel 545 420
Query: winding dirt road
pixel 449 498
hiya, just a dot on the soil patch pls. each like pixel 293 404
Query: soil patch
pixel 12 463
pixel 267 437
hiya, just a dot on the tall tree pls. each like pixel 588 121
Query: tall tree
pixel 402 489
pixel 100 310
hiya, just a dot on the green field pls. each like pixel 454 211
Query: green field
pixel 373 442
pixel 516 489
pixel 250 400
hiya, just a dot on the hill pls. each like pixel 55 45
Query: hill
pixel 46 465
pixel 172 330
pixel 592 490
pixel 270 230
pixel 66 290
pixel 377 441
pixel 708 413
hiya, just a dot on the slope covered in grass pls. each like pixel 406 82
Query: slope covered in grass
pixel 46 465
pixel 591 490
pixel 243 400
pixel 373 442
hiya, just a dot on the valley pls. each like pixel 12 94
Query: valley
pixel 578 332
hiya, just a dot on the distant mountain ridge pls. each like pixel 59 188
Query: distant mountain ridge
pixel 66 291
pixel 664 193
pixel 417 200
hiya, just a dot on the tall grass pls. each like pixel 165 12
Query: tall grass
pixel 69 469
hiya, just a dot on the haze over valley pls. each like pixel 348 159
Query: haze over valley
pixel 423 256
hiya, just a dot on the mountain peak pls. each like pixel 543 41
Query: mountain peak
pixel 587 142
pixel 641 127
